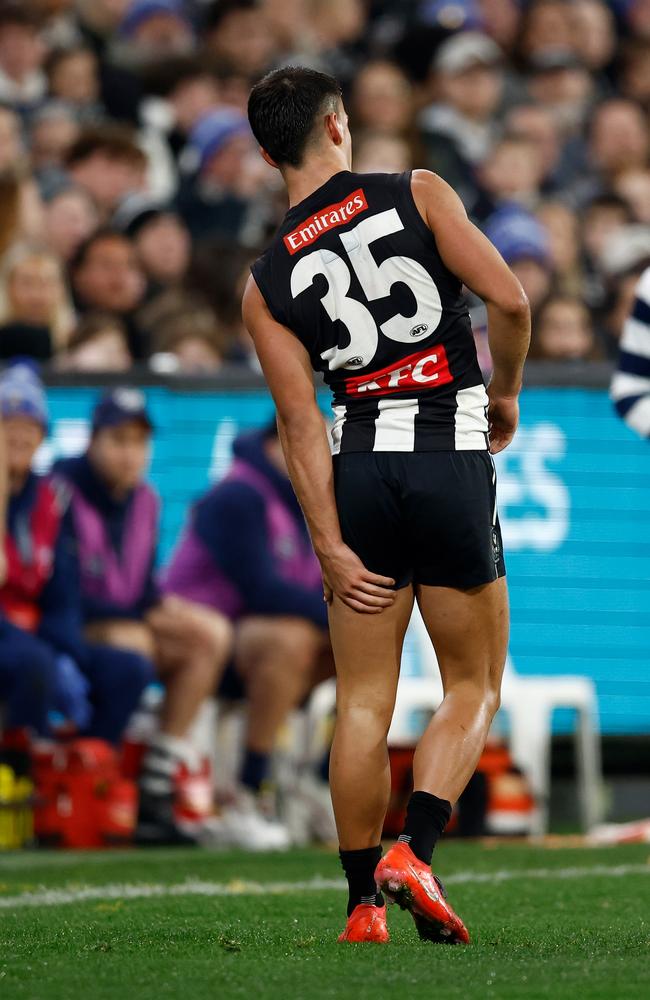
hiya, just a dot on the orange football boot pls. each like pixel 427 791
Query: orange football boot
pixel 407 881
pixel 366 923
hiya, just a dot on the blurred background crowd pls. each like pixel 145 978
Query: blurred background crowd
pixel 133 199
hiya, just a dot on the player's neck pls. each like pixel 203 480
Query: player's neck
pixel 312 174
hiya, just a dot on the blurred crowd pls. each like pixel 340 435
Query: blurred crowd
pixel 133 199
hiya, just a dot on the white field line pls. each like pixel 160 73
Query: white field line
pixel 197 887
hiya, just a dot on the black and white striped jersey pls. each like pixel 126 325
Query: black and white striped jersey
pixel 355 273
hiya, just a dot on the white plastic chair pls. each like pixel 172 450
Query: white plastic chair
pixel 529 703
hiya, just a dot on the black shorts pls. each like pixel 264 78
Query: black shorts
pixel 422 517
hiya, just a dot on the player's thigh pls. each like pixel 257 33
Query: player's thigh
pixel 469 630
pixel 371 515
pixel 367 651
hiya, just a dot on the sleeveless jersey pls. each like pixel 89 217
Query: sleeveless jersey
pixel 354 272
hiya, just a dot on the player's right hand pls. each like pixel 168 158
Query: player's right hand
pixel 345 576
pixel 503 417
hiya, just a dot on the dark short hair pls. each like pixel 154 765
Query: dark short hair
pixel 115 141
pixel 100 235
pixel 283 107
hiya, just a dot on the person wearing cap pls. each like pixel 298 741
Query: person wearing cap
pixel 46 665
pixel 245 553
pixel 113 528
pixel 153 29
pixel 211 198
pixel 523 243
pixel 459 127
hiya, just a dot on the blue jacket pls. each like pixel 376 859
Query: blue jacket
pixel 80 475
pixel 230 522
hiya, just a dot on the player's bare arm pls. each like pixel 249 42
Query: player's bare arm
pixel 303 434
pixel 471 256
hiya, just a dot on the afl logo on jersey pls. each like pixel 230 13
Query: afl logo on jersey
pixel 354 363
pixel 419 330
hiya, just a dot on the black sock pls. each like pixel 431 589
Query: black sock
pixel 359 868
pixel 426 818
pixel 255 769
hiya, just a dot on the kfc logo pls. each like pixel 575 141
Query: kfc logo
pixel 418 371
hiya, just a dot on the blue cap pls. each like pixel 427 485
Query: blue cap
pixel 120 406
pixel 518 235
pixel 451 15
pixel 141 10
pixel 22 394
pixel 214 130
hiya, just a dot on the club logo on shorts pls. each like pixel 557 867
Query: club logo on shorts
pixel 417 331
pixel 496 545
pixel 423 370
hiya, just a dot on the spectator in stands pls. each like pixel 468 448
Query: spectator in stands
pixel 246 554
pixel 563 231
pixel 11 144
pixel 106 277
pixel 635 75
pixel 563 331
pixel 106 161
pixel 523 243
pixel 35 314
pixel 513 172
pixel 21 209
pixel 52 130
pixel 625 257
pixel 191 343
pixel 114 529
pixel 161 241
pixel 619 140
pixel 375 152
pixel 382 99
pixel 633 185
pixel 213 201
pixel 222 287
pixel 22 81
pixel 154 29
pixel 73 77
pixel 99 343
pixel 237 35
pixel 45 663
pixel 70 218
pixel 459 127
pixel 630 389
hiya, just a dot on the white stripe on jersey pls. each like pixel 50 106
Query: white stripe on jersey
pixel 638 416
pixel 395 425
pixel 336 429
pixel 470 420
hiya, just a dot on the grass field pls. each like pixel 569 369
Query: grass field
pixel 558 924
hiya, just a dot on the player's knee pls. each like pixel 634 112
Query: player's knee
pixel 364 712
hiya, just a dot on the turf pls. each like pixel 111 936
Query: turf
pixel 558 936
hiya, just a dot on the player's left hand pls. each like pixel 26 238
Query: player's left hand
pixel 503 417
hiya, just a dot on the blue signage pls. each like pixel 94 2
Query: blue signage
pixel 574 500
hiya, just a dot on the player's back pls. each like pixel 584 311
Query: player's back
pixel 355 273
